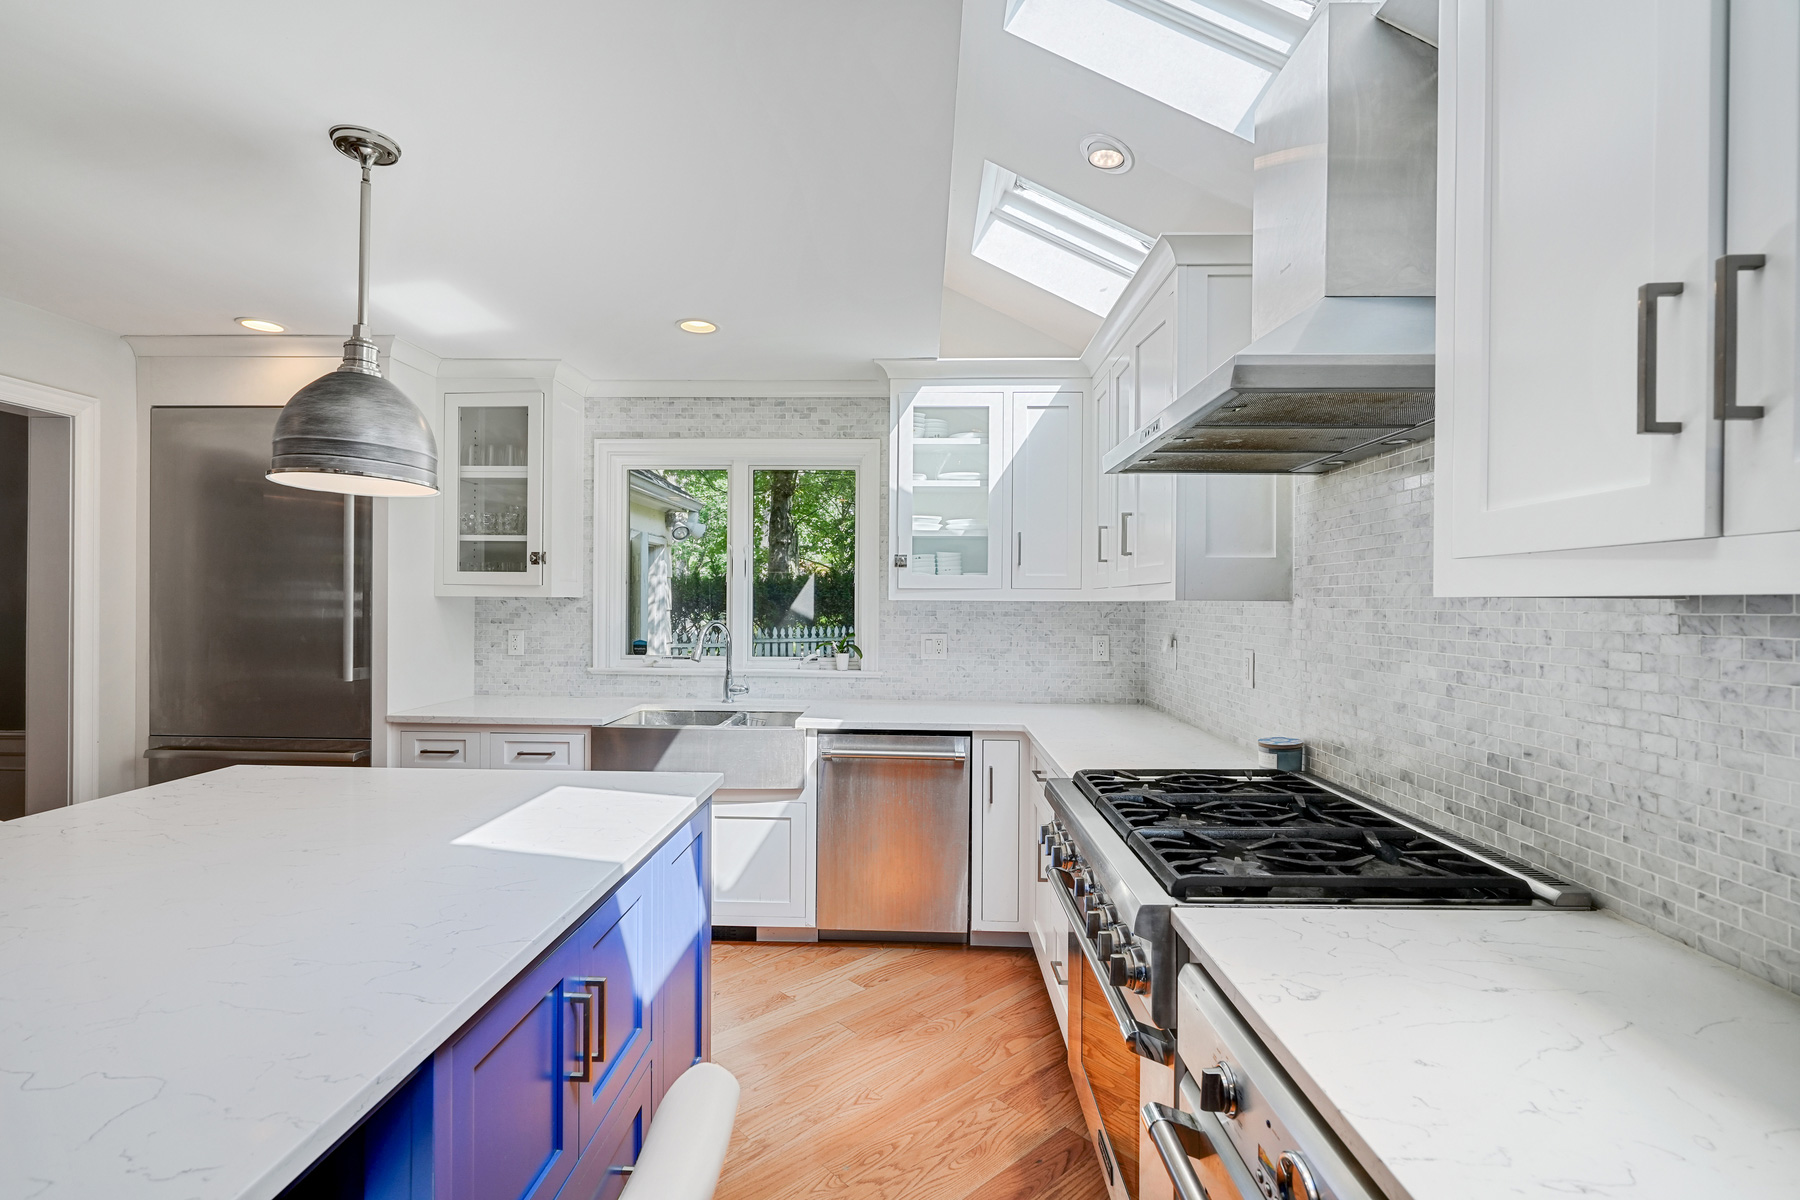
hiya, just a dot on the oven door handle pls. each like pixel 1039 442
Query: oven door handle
pixel 1180 1135
pixel 1147 1041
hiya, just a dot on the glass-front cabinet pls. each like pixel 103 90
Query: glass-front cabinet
pixel 492 474
pixel 950 521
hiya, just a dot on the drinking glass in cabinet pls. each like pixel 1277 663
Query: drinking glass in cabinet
pixel 494 436
pixel 950 489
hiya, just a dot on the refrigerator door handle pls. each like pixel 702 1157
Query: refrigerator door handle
pixel 349 589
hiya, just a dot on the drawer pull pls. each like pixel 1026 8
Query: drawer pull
pixel 597 1051
pixel 584 1002
pixel 534 754
pixel 451 753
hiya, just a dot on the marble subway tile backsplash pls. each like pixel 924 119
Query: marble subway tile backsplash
pixel 998 651
pixel 1645 748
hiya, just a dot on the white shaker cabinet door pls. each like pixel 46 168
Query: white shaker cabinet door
pixel 1762 452
pixel 761 852
pixel 1046 496
pixel 999 849
pixel 1582 159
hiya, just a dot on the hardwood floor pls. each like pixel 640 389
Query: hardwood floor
pixel 878 1071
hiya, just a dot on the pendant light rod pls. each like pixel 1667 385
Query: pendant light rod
pixel 367 156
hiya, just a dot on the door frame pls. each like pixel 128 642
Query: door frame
pixel 83 413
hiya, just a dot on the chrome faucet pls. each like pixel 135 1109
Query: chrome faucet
pixel 732 690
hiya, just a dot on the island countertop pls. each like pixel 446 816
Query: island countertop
pixel 1480 1054
pixel 205 984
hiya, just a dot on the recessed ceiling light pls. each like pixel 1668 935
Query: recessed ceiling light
pixel 261 326
pixel 699 326
pixel 1106 153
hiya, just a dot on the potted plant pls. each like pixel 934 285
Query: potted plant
pixel 841 652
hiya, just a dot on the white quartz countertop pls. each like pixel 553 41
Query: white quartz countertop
pixel 1474 1054
pixel 1076 737
pixel 206 983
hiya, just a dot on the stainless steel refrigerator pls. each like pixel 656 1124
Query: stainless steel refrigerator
pixel 259 611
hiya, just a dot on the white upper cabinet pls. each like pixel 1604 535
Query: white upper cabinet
pixel 1587 142
pixel 1616 301
pixel 1762 454
pixel 949 505
pixel 510 480
pixel 1046 504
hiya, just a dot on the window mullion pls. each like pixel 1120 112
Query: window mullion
pixel 739 547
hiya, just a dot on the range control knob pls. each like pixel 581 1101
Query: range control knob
pixel 1219 1090
pixel 1084 882
pixel 1128 968
pixel 1111 939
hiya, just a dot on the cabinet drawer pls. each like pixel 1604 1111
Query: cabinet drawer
pixel 538 751
pixel 422 748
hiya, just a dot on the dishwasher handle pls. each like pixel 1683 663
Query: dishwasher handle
pixel 932 755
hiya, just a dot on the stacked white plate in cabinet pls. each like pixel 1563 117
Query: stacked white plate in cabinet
pixel 949 562
pixel 924 564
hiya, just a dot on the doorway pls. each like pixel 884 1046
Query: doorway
pixel 36 478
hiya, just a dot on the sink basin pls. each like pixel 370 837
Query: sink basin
pixel 751 749
pixel 713 718
pixel 673 717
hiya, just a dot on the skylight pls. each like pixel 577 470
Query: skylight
pixel 1211 59
pixel 1053 243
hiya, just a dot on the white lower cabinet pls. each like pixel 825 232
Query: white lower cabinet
pixel 559 751
pixel 761 852
pixel 1049 924
pixel 998 884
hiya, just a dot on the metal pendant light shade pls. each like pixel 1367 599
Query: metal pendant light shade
pixel 352 431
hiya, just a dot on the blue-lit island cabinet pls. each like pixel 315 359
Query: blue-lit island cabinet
pixel 548 1092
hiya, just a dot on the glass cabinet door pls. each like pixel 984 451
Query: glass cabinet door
pixel 493 503
pixel 949 523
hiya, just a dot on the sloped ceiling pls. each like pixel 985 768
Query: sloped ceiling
pixel 1028 110
pixel 577 176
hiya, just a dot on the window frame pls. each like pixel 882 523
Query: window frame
pixel 997 185
pixel 615 458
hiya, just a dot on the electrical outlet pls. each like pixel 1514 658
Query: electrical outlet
pixel 934 645
pixel 515 641
pixel 1102 649
pixel 1249 668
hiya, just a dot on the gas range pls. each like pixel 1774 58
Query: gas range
pixel 1125 849
pixel 1131 845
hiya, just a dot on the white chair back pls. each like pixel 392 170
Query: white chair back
pixel 685 1148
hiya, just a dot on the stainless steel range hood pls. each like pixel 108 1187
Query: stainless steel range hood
pixel 1342 362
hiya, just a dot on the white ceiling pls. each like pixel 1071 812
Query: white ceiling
pixel 1028 110
pixel 577 175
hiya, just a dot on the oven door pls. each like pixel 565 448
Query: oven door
pixel 1197 1157
pixel 1109 1043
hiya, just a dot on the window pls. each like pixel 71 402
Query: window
pixel 1212 59
pixel 776 539
pixel 1053 243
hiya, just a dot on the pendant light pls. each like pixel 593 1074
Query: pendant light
pixel 352 431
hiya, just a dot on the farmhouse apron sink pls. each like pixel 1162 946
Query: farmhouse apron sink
pixel 751 749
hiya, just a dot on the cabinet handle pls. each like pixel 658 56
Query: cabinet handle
pixel 585 1002
pixel 1725 337
pixel 1125 535
pixel 1100 543
pixel 597 1050
pixel 1019 555
pixel 349 634
pixel 534 754
pixel 422 753
pixel 990 785
pixel 1648 295
pixel 1059 973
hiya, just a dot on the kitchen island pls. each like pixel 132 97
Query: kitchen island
pixel 207 985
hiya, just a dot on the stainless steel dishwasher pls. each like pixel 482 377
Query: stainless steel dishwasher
pixel 894 833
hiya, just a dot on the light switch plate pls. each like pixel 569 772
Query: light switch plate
pixel 1249 668
pixel 934 646
pixel 515 641
pixel 1102 649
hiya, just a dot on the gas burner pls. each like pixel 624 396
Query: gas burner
pixel 1249 799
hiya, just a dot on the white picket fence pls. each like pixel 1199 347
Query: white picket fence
pixel 779 641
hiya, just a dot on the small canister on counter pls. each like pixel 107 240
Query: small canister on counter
pixel 1282 753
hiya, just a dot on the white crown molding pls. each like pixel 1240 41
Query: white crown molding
pixel 720 389
pixel 241 345
pixel 899 369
